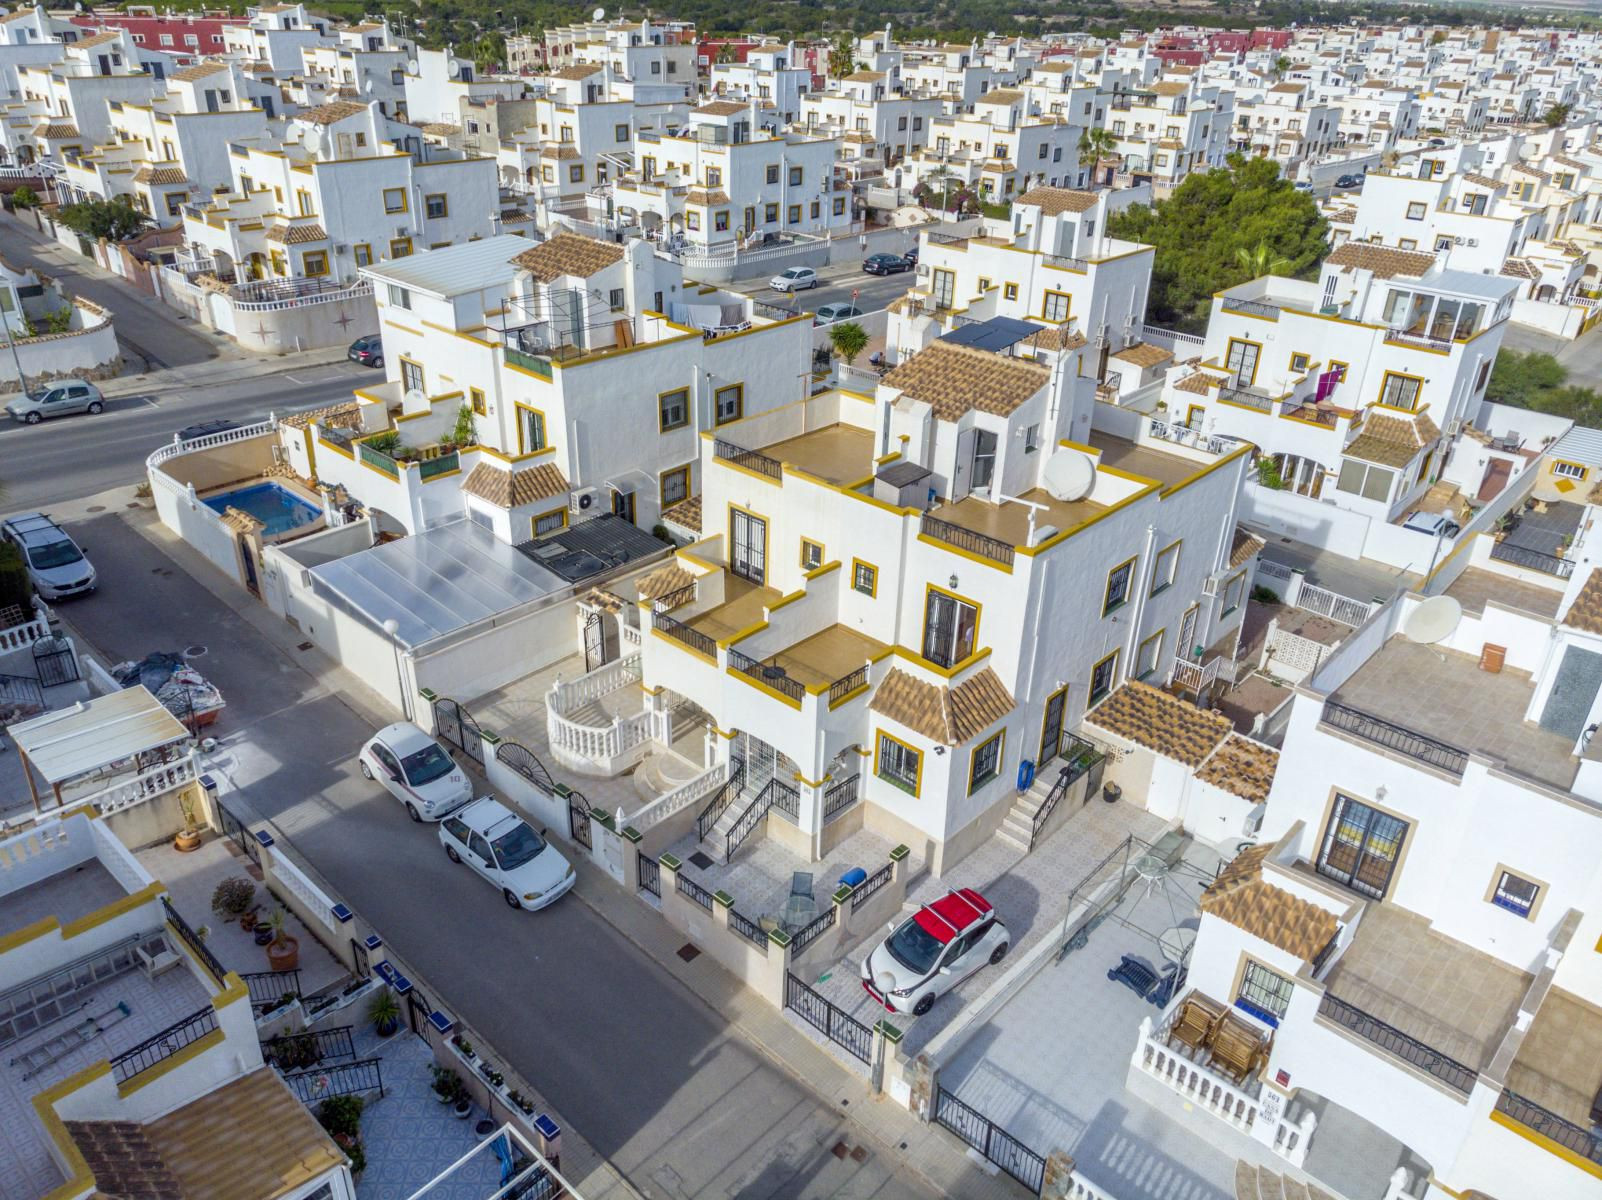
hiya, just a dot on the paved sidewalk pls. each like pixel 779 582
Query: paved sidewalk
pixel 227 370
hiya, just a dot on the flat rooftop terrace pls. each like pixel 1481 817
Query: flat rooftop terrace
pixel 1559 1064
pixel 1009 523
pixel 1476 585
pixel 1123 455
pixel 839 454
pixel 76 892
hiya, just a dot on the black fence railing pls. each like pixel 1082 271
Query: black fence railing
pixel 769 675
pixel 1082 759
pixel 193 940
pixel 1405 1047
pixel 848 685
pixel 1321 959
pixel 299 1051
pixel 1533 560
pixel 828 1019
pixel 813 930
pixel 966 539
pixel 841 796
pixel 864 890
pixel 1395 737
pixel 1252 308
pixel 686 635
pixel 269 989
pixel 1549 1125
pixel 337 1079
pixel 748 929
pixel 688 887
pixel 751 460
pixel 650 875
pixel 774 795
pixel 527 764
pixel 578 820
pixel 991 1140
pixel 164 1045
pixel 668 601
pixel 721 799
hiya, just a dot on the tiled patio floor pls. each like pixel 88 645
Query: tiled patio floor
pixel 66 896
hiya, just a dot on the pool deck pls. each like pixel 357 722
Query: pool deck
pixel 290 486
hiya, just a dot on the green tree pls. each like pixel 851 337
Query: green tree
pixel 24 197
pixel 1199 231
pixel 848 339
pixel 1260 261
pixel 115 220
pixel 1556 115
pixel 1539 382
pixel 1095 145
pixel 489 51
pixel 841 60
pixel 1281 65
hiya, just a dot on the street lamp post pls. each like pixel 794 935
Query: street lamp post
pixel 22 380
pixel 392 627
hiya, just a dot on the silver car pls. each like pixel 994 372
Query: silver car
pixel 58 400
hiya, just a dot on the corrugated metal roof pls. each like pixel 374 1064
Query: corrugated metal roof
pixel 452 270
pixel 1580 444
pixel 70 742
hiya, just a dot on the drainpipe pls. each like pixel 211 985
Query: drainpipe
pixel 1143 580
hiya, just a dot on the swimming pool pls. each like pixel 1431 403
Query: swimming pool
pixel 277 508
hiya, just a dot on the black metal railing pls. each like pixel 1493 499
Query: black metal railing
pixel 1252 308
pixel 1393 1041
pixel 981 544
pixel 21 692
pixel 1246 398
pixel 721 799
pixel 1395 737
pixel 828 1019
pixel 268 989
pixel 1325 953
pixel 848 685
pixel 768 674
pixel 337 1079
pixel 841 797
pixel 668 601
pixel 751 460
pixel 193 941
pixel 527 764
pixel 164 1045
pixel 578 820
pixel 787 800
pixel 813 930
pixel 687 636
pixel 1534 560
pixel 298 1051
pixel 693 890
pixel 864 890
pixel 771 795
pixel 748 929
pixel 991 1140
pixel 1082 759
pixel 650 875
pixel 1549 1125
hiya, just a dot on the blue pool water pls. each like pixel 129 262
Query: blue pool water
pixel 278 509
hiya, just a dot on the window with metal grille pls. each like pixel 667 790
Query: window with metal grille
pixel 1361 847
pixel 897 764
pixel 1267 994
pixel 986 764
pixel 1515 894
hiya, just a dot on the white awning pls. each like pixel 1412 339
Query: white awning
pixel 70 742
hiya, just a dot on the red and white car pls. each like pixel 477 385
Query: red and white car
pixel 415 770
pixel 933 951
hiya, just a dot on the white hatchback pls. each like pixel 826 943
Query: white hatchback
pixel 416 771
pixel 794 279
pixel 500 846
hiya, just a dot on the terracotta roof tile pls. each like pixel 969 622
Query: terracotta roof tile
pixel 1392 441
pixel 569 254
pixel 1000 96
pixel 1384 261
pixel 1479 180
pixel 686 514
pixel 161 176
pixel 1585 613
pixel 1242 897
pixel 1140 713
pixel 658 583
pixel 722 108
pixel 704 197
pixel 327 114
pixel 98 39
pixel 959 379
pixel 512 489
pixel 198 71
pixel 123 1160
pixel 1243 546
pixel 1055 201
pixel 864 77
pixel 1199 382
pixel 949 716
pixel 57 132
pixel 1058 337
pixel 1242 768
pixel 1144 354
pixel 297 235
pixel 1517 268
pixel 579 71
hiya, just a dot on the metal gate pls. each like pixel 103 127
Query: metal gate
pixel 594 642
pixel 578 820
pixel 358 953
pixel 417 1010
pixel 991 1140
pixel 54 662
pixel 828 1019
pixel 456 725
pixel 235 829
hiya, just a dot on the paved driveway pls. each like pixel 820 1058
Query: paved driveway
pixel 640 1066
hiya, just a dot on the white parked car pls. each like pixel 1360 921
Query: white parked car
pixel 500 846
pixel 794 279
pixel 1433 524
pixel 415 769
pixel 933 951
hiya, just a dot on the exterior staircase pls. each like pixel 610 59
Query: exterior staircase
pixel 715 844
pixel 1018 826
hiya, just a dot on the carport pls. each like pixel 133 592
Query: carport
pixel 95 741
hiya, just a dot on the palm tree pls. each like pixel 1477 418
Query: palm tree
pixel 1281 65
pixel 1259 260
pixel 1094 145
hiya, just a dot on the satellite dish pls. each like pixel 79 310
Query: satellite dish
pixel 455 69
pixel 411 66
pixel 1433 620
pixel 414 398
pixel 368 87
pixel 1068 475
pixel 599 14
pixel 312 140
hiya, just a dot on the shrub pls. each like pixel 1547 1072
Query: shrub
pixel 341 1115
pixel 848 339
pixel 24 197
pixel 1265 595
pixel 16 590
pixel 233 897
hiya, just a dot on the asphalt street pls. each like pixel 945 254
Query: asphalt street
pixel 654 1078
pixel 873 292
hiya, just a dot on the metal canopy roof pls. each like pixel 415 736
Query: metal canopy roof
pixel 434 582
pixel 996 334
pixel 592 547
pixel 452 270
pixel 70 742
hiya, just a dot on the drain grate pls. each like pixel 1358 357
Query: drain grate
pixel 195 651
pixel 701 861
pixel 304 646
pixel 689 952
pixel 97 508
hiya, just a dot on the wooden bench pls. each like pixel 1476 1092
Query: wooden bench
pixel 1237 1048
pixel 1193 1025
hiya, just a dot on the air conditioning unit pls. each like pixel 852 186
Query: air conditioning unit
pixel 402 231
pixel 1214 583
pixel 342 248
pixel 1453 428
pixel 584 499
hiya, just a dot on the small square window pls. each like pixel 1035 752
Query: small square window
pixel 394 200
pixel 675 486
pixel 674 409
pixel 621 133
pixel 864 578
pixel 1299 363
pixel 795 176
pixel 476 395
pixel 550 522
pixel 985 764
pixel 1010 291
pixel 1102 676
pixel 773 173
pixel 1514 894
pixel 436 206
pixel 1264 994
pixel 1118 581
pixel 728 403
pixel 811 555
pixel 575 173
pixel 1415 210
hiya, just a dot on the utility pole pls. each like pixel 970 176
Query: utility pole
pixel 22 380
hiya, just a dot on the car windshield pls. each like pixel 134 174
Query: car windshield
pixel 794 273
pixel 915 948
pixel 426 765
pixel 54 554
pixel 517 846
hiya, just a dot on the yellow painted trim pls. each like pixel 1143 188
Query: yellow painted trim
pixel 1207 470
pixel 740 635
pixel 44 1105
pixel 1004 568
pixel 767 529
pixel 978 610
pixel 819 572
pixel 873 591
pixel 805 542
pixel 1062 723
pixel 1096 666
pixel 739 414
pixel 1157 563
pixel 28 933
pixel 337 449
pixel 501 456
pixel 115 909
pixel 878 734
pixel 1129 590
pixel 1563 462
pixel 1061 536
pixel 545 429
pixel 934 668
pixel 1385 380
pixel 1001 756
pixel 1140 651
pixel 1390 341
pixel 764 688
pixel 171 1063
pixel 682 646
pixel 536 518
pixel 734 466
pixel 459 333
pixel 234 990
pixel 1546 1143
pixel 403 328
pixel 660 396
pixel 661 484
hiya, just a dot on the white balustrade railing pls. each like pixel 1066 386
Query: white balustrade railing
pixel 1333 605
pixel 176 447
pixel 570 695
pixel 1080 1189
pixel 1157 336
pixel 295 882
pixel 145 786
pixel 599 744
pixel 1261 1118
pixel 1273 570
pixel 118 860
pixel 1189 675
pixel 681 797
pixel 630 635
pixel 18 637
pixel 1183 435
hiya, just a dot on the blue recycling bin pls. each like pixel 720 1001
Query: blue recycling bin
pixel 854 877
pixel 1026 774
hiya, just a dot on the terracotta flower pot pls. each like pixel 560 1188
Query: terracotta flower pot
pixel 247 920
pixel 186 840
pixel 283 954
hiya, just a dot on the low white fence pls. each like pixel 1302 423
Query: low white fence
pixel 1170 339
pixel 176 447
pixel 354 292
pixel 604 750
pixel 567 695
pixel 681 797
pixel 19 637
pixel 143 787
pixel 295 881
pixel 1289 656
pixel 1333 605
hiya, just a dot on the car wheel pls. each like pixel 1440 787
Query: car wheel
pixel 367 772
pixel 95 406
pixel 450 853
pixel 510 897
pixel 999 953
pixel 925 1003
pixel 411 811
pixel 379 361
pixel 32 418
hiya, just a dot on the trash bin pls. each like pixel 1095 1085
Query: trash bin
pixel 1111 793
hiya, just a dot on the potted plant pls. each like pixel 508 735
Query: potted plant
pixel 283 950
pixel 234 900
pixel 463 1108
pixel 447 1083
pixel 187 838
pixel 524 1104
pixel 463 1045
pixel 384 1013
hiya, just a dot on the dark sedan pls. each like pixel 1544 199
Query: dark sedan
pixel 1346 182
pixel 369 351
pixel 886 264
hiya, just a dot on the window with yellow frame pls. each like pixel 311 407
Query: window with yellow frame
pixel 984 764
pixel 395 200
pixel 728 403
pixel 364 254
pixel 1400 391
pixel 1102 677
pixel 1120 582
pixel 674 486
pixel 811 554
pixel 530 429
pixel 1166 567
pixel 549 522
pixel 1149 654
pixel 400 247
pixel 1568 470
pixel 864 578
pixel 436 206
pixel 314 263
pixel 1299 363
pixel 476 397
pixel 897 763
pixel 1010 291
pixel 1055 307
